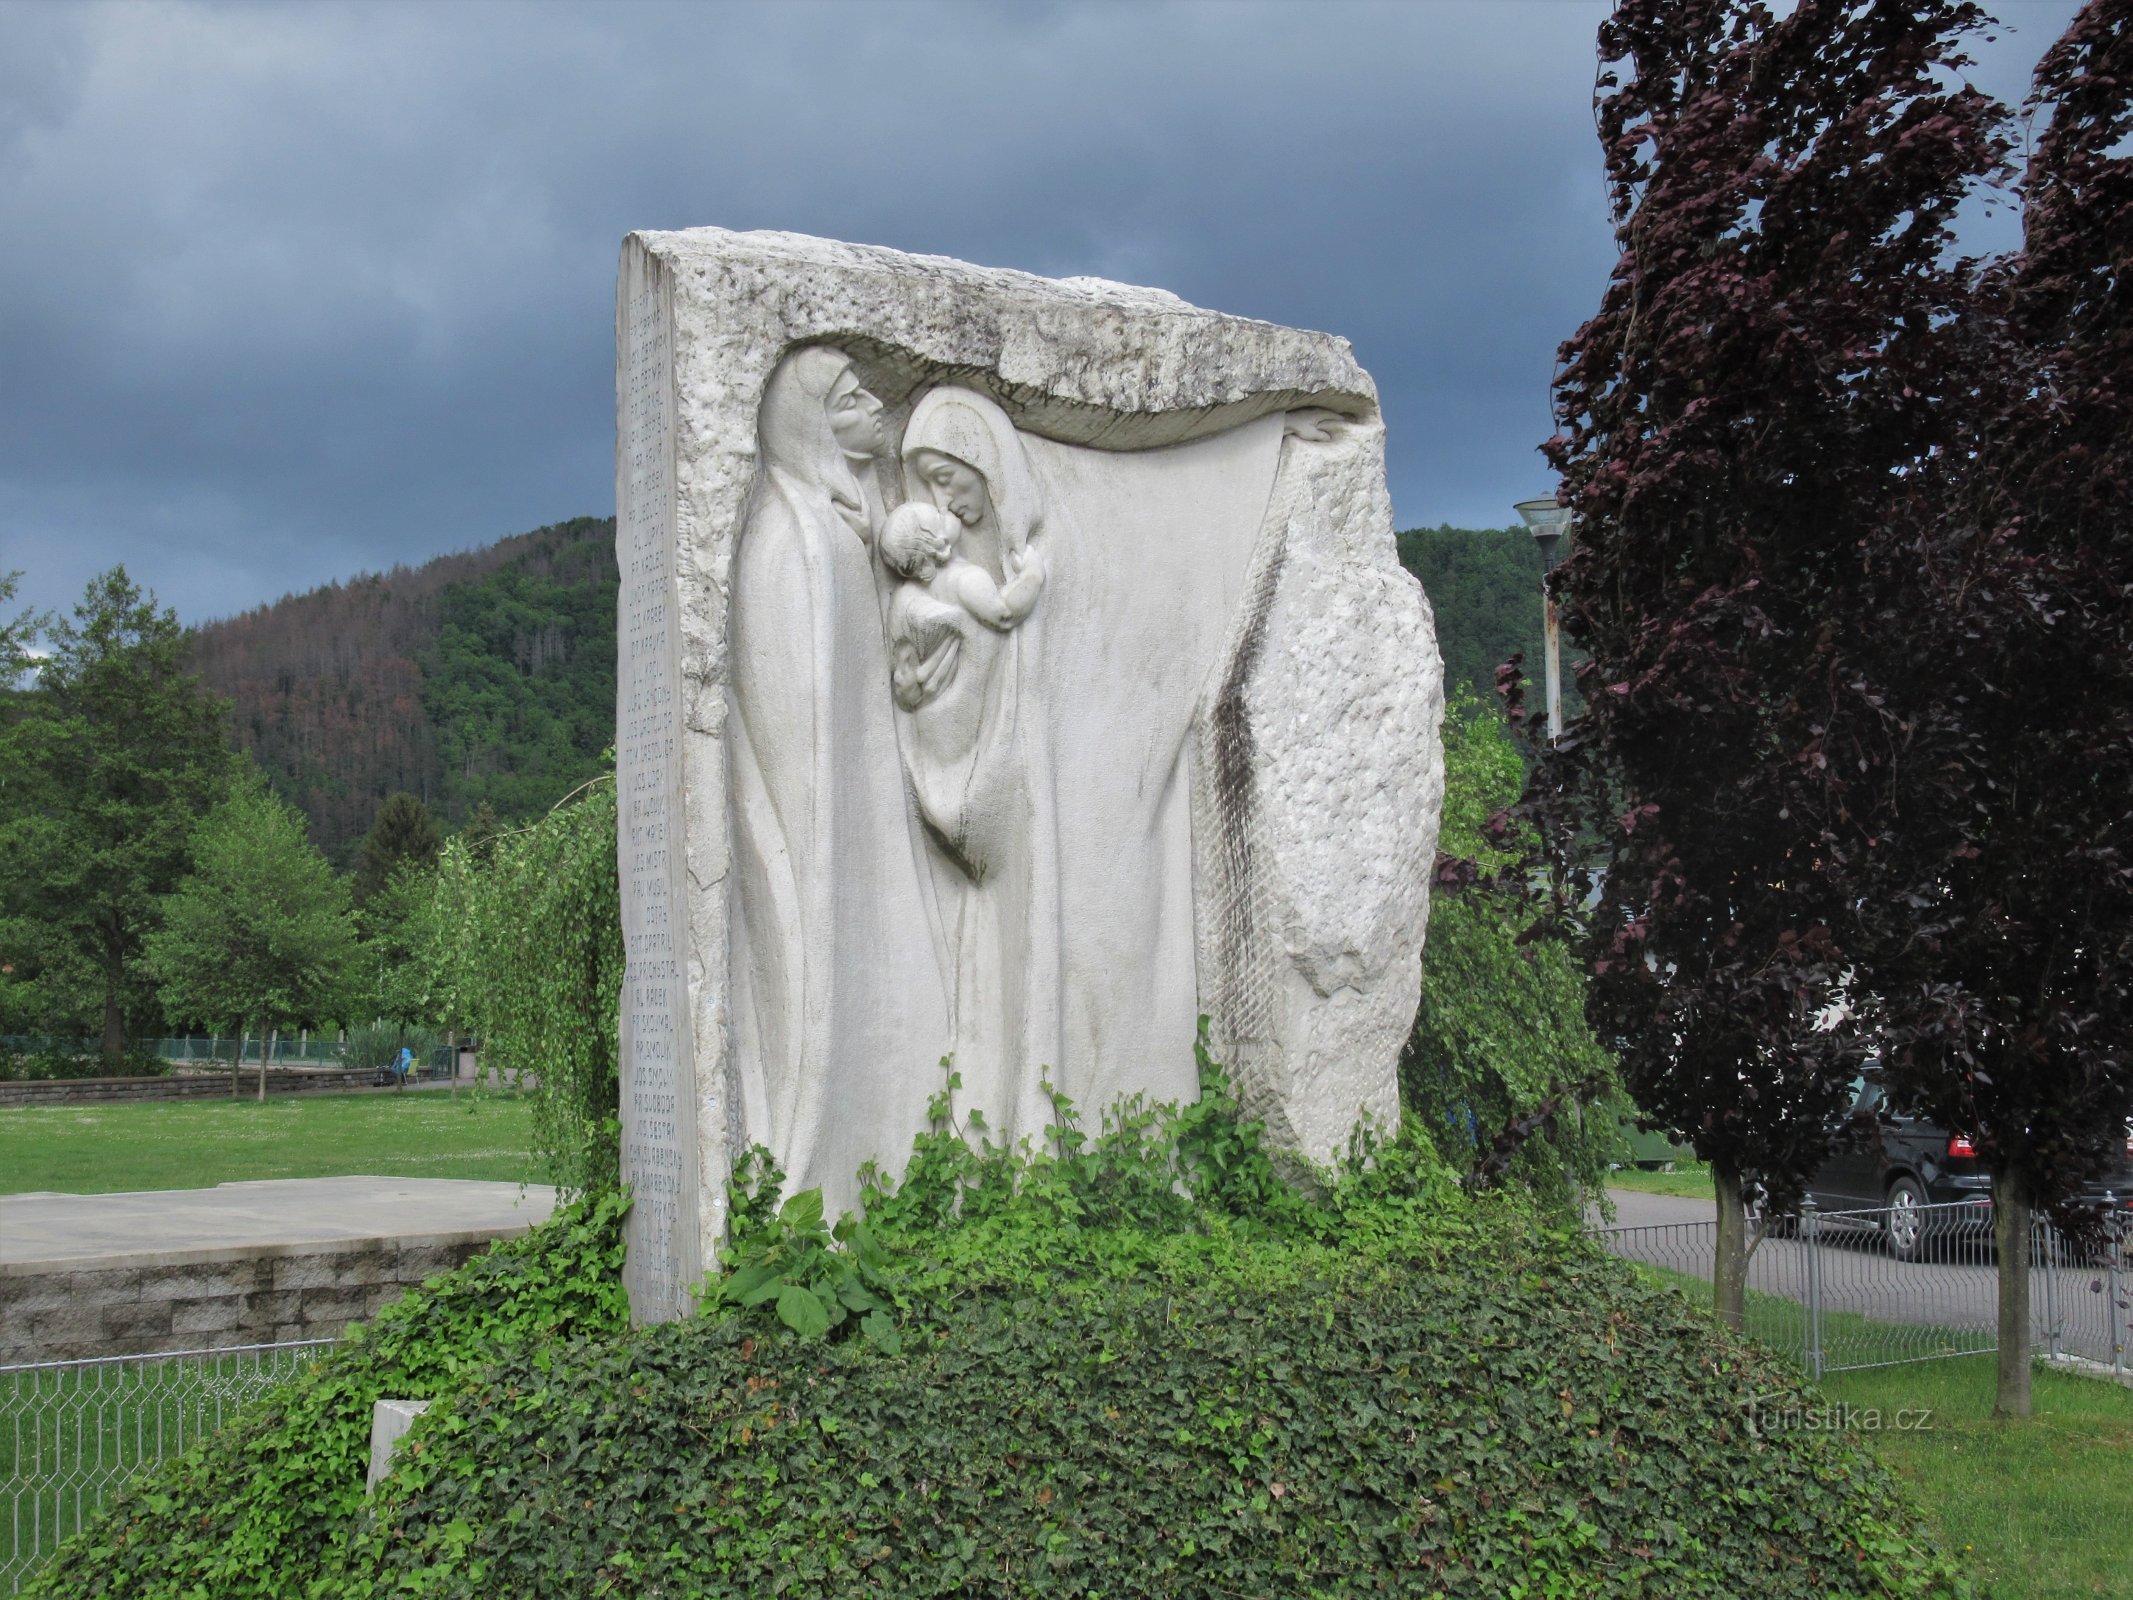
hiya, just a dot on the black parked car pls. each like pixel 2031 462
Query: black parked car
pixel 1895 1165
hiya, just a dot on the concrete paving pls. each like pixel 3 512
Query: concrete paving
pixel 1636 1209
pixel 40 1232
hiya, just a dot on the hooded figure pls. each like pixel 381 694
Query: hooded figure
pixel 978 757
pixel 839 1014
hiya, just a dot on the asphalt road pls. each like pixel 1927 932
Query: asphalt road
pixel 1949 1301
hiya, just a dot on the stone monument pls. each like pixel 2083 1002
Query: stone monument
pixel 1010 669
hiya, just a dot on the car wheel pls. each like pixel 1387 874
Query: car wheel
pixel 1904 1226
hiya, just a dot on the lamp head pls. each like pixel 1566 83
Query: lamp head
pixel 1548 523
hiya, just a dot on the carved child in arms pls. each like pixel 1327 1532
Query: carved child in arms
pixel 940 589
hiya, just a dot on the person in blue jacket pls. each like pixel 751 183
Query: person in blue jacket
pixel 404 1064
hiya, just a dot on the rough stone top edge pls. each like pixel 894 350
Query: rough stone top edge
pixel 1339 372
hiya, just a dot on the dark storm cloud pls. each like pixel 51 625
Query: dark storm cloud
pixel 291 292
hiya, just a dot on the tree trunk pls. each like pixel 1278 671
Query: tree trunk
pixel 262 1060
pixel 2010 1235
pixel 451 1056
pixel 1729 1271
pixel 113 1048
pixel 236 1058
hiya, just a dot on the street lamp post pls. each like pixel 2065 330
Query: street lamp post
pixel 1549 523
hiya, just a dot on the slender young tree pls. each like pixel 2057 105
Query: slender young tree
pixel 1760 380
pixel 261 928
pixel 116 754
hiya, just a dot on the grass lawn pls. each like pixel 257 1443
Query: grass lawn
pixel 196 1144
pixel 1692 1181
pixel 71 1436
pixel 2036 1509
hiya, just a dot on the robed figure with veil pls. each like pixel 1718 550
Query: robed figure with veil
pixel 976 753
pixel 839 1013
pixel 961 739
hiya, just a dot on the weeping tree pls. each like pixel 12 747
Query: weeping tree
pixel 1761 381
pixel 526 951
pixel 1501 1064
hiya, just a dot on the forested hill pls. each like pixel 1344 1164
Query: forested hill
pixel 1485 586
pixel 483 676
pixel 490 675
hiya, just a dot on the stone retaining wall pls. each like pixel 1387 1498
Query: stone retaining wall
pixel 211 1299
pixel 89 1091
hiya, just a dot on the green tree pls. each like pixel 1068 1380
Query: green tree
pixel 404 834
pixel 19 1001
pixel 1501 1061
pixel 519 683
pixel 1485 586
pixel 397 925
pixel 261 928
pixel 112 759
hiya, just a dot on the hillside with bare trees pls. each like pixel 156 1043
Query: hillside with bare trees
pixel 483 676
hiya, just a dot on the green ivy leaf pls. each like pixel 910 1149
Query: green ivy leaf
pixel 803 1211
pixel 878 1331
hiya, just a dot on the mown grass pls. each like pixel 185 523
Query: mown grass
pixel 1692 1181
pixel 197 1144
pixel 70 1436
pixel 2036 1509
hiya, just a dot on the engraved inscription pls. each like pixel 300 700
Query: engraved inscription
pixel 656 1123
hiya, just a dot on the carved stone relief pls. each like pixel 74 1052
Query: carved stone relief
pixel 1050 681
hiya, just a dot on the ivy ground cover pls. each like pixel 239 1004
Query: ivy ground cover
pixel 1425 1395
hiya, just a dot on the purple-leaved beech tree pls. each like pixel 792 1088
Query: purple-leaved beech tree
pixel 1999 917
pixel 1759 387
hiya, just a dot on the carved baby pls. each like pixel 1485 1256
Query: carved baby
pixel 940 589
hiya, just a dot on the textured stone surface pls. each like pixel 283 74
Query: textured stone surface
pixel 1185 757
pixel 389 1422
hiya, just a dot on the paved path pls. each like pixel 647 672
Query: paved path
pixel 265 1216
pixel 1636 1209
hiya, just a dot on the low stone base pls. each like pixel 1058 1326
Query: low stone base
pixel 256 1262
pixel 213 1299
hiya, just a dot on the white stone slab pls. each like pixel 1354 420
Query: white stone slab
pixel 1011 668
pixel 389 1422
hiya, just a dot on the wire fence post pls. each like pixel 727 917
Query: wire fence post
pixel 2114 1247
pixel 2043 1234
pixel 1811 1242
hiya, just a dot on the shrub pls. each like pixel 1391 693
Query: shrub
pixel 1516 1417
pixel 378 1043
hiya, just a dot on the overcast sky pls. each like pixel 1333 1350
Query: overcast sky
pixel 289 292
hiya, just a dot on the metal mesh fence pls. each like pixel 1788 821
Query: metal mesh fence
pixel 1846 1289
pixel 73 1431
